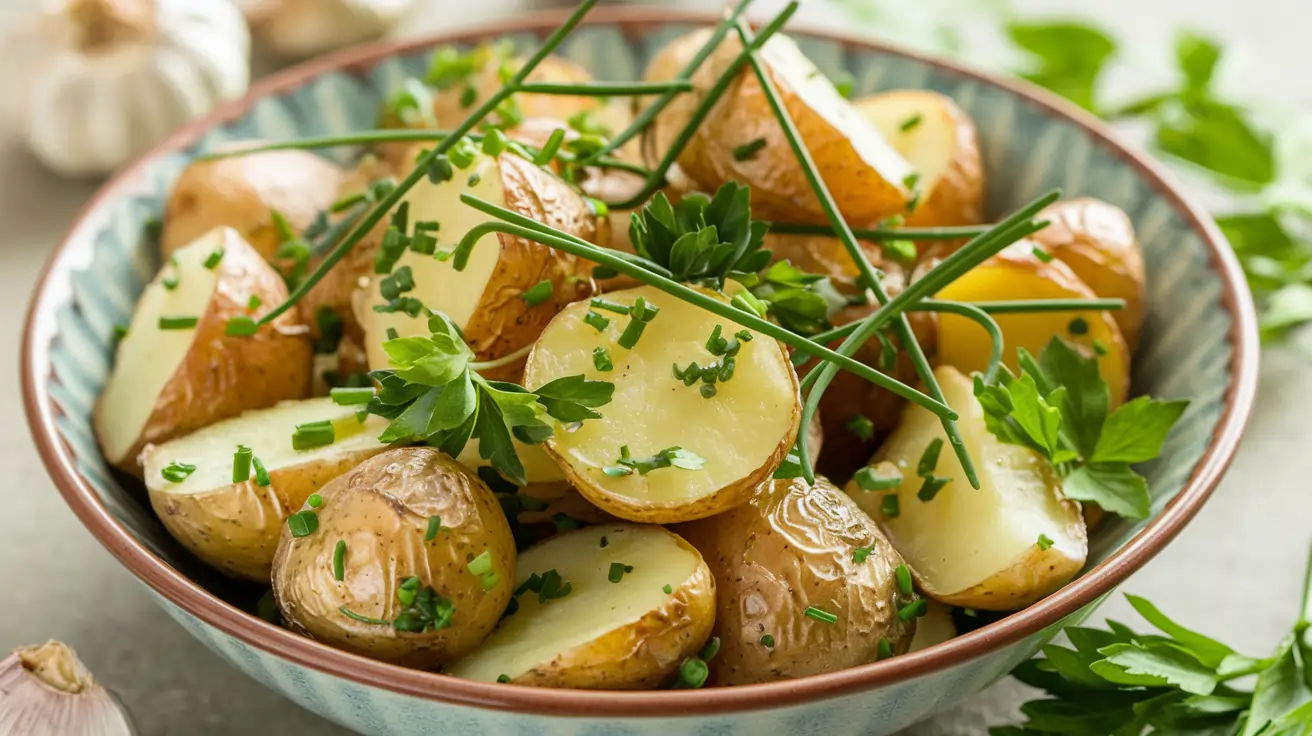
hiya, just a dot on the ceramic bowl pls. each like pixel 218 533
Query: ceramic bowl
pixel 1199 342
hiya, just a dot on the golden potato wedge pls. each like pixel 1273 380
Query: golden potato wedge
pixel 486 300
pixel 865 174
pixel 1097 241
pixel 240 192
pixel 1016 273
pixel 234 526
pixel 664 67
pixel 652 411
pixel 938 139
pixel 976 547
pixel 387 512
pixel 638 600
pixel 793 547
pixel 935 627
pixel 177 370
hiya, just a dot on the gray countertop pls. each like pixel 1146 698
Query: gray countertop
pixel 1234 572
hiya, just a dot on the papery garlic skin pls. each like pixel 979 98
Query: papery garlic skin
pixel 301 28
pixel 46 691
pixel 100 81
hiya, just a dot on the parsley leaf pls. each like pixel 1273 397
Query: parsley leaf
pixel 1068 57
pixel 701 240
pixel 1134 433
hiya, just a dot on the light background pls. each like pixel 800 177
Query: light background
pixel 1233 573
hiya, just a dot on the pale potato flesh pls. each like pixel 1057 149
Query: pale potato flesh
pixel 441 288
pixel 935 627
pixel 928 145
pixel 739 431
pixel 965 536
pixel 538 633
pixel 148 357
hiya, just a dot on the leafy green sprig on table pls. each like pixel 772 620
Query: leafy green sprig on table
pixel 1120 682
pixel 1058 407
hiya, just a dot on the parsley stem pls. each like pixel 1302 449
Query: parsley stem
pixel 487 365
pixel 872 279
pixel 657 178
pixel 606 257
pixel 603 89
pixel 1305 614
pixel 644 120
pixel 421 167
pixel 884 233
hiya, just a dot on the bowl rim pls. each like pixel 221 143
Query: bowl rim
pixel 54 290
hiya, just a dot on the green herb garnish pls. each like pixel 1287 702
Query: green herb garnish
pixel 178 323
pixel 675 457
pixel 767 641
pixel 541 292
pixel 748 150
pixel 339 560
pixel 241 464
pixel 303 523
pixel 176 472
pixel 313 434
pixel 861 554
pixel 1044 542
pixel 601 359
pixel 867 479
pixel 617 570
pixel 819 614
pixel 910 123
pixel 261 474
pixel 352 396
pixel 434 526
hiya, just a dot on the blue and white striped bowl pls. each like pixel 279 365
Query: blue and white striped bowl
pixel 1199 342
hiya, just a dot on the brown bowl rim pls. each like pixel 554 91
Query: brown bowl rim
pixel 41 409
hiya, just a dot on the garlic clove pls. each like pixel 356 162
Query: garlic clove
pixel 46 691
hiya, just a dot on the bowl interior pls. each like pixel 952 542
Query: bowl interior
pixel 1189 340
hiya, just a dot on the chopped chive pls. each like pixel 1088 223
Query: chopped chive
pixel 253 303
pixel 632 332
pixel 480 565
pixel 1045 542
pixel 362 619
pixel 313 434
pixel 890 506
pixel 601 359
pixel 767 641
pixel 616 471
pixel 346 203
pixel 553 586
pixel 885 649
pixel 503 679
pixel 914 609
pixel 750 303
pixel 392 334
pixel 692 673
pixel 541 292
pixel 911 122
pixel 929 458
pixel 861 554
pixel 748 150
pixel 549 149
pixel 1100 347
pixel 903 575
pixel 843 84
pixel 868 480
pixel 708 390
pixel 468 96
pixel 604 542
pixel 434 525
pixel 598 322
pixel 351 396
pixel 820 614
pixel 668 589
pixel 911 180
pixel 900 250
pixel 177 323
pixel 261 474
pixel 474 179
pixel 617 570
pixel 120 331
pixel 610 306
pixel 241 464
pixel 176 472
pixel 315 500
pixel 339 560
pixel 303 523
pixel 1042 254
pixel 970 612
pixel 171 282
pixel 462 154
pixel 599 208
pixel 241 326
pixel 490 581
pixel 863 428
pixel 711 649
pixel 930 487
pixel 1078 326
pixel 565 523
pixel 213 259
pixel 494 142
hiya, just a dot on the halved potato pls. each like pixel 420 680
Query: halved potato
pixel 486 300
pixel 742 432
pixel 935 627
pixel 601 635
pixel 864 173
pixel 968 547
pixel 664 67
pixel 170 378
pixel 241 191
pixel 487 81
pixel 789 548
pixel 1016 273
pixel 406 513
pixel 938 139
pixel 234 527
pixel 1097 241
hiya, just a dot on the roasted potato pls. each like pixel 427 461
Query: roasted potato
pixel 653 412
pixel 241 192
pixel 935 627
pixel 407 514
pixel 664 67
pixel 234 526
pixel 866 176
pixel 1016 273
pixel 547 493
pixel 177 370
pixel 449 110
pixel 968 547
pixel 1097 241
pixel 789 548
pixel 627 604
pixel 938 139
pixel 486 300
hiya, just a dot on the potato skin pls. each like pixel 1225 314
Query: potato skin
pixel 223 375
pixel 382 509
pixel 239 192
pixel 1097 241
pixel 641 655
pixel 790 547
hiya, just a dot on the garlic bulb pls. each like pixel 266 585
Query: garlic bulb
pixel 300 28
pixel 99 81
pixel 45 691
